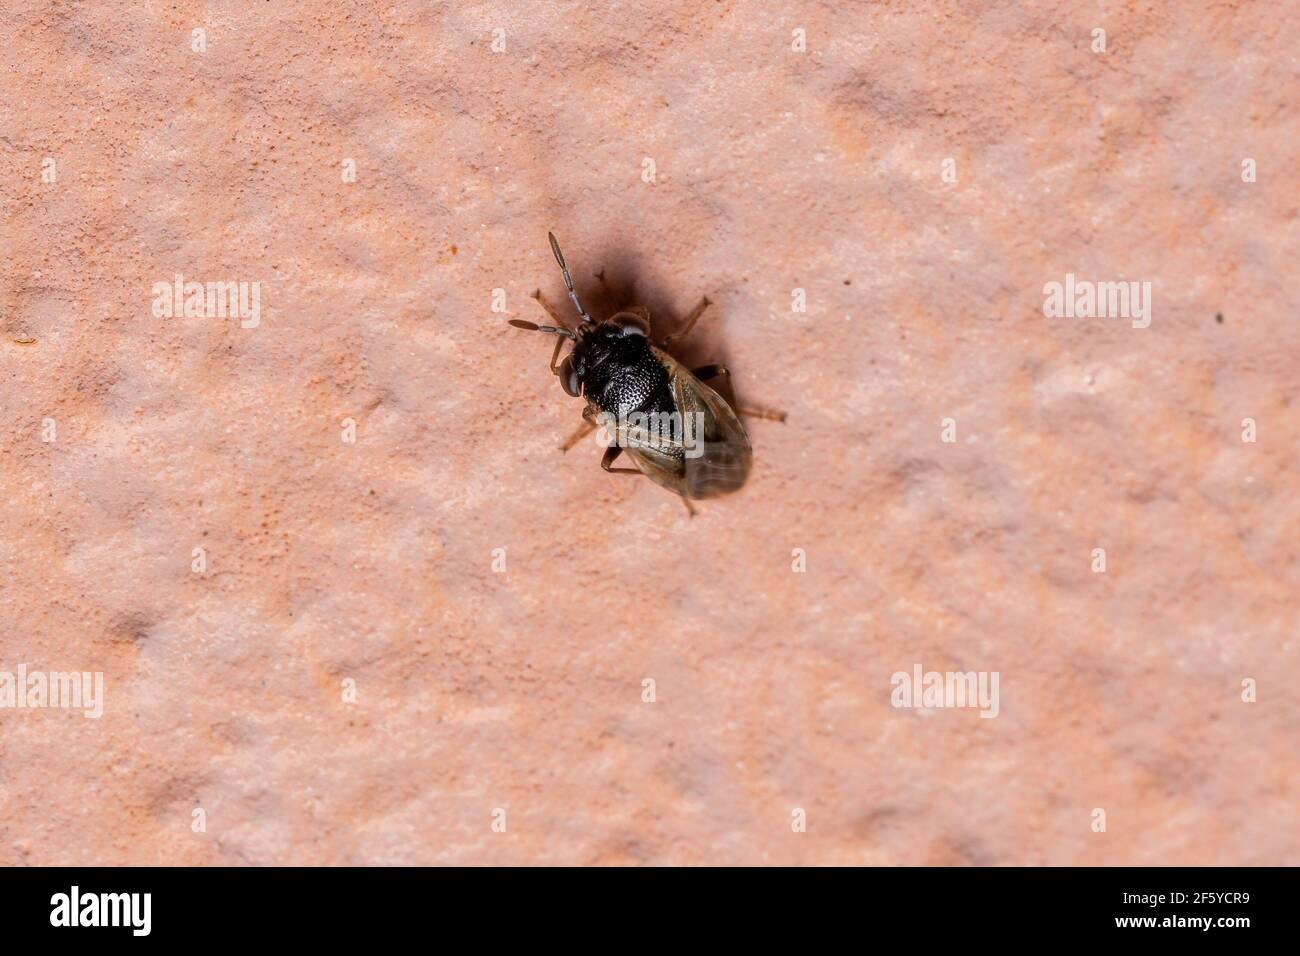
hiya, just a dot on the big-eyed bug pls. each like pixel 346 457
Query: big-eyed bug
pixel 678 431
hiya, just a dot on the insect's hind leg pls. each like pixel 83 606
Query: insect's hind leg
pixel 688 324
pixel 706 372
pixel 770 415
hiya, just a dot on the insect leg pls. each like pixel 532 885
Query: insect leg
pixel 611 453
pixel 690 508
pixel 586 429
pixel 706 372
pixel 555 356
pixel 689 323
pixel 761 413
pixel 550 310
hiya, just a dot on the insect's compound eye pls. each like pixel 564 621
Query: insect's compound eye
pixel 630 324
pixel 569 378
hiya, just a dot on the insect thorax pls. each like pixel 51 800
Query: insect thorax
pixel 622 374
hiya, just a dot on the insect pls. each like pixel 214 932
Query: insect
pixel 679 432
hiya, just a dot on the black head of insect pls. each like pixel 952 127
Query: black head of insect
pixel 601 350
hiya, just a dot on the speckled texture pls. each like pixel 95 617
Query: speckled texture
pixel 521 689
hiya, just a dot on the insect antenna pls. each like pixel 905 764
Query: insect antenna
pixel 568 279
pixel 521 324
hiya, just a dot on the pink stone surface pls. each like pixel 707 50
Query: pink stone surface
pixel 775 170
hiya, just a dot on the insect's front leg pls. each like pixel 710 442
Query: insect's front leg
pixel 688 324
pixel 550 310
pixel 555 356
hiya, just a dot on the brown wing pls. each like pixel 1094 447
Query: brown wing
pixel 716 461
